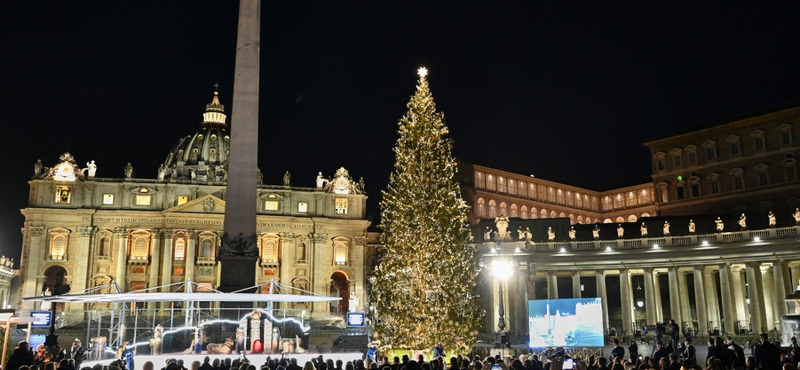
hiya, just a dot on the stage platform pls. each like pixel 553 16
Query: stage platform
pixel 159 361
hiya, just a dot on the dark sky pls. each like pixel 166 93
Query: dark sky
pixel 564 90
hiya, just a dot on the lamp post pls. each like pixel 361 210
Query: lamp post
pixel 501 269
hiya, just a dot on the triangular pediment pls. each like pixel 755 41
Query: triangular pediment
pixel 204 204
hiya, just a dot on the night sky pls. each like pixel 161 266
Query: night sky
pixel 567 91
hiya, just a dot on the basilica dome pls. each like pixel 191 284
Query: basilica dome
pixel 203 155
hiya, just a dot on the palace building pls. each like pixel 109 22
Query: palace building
pixel 88 231
pixel 711 242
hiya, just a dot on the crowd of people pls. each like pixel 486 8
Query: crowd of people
pixel 722 354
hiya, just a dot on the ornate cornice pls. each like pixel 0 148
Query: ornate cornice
pixel 86 231
pixel 36 230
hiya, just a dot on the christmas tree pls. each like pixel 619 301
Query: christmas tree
pixel 423 290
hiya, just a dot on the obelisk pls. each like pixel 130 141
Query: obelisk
pixel 239 249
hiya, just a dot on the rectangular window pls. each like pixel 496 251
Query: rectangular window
pixel 532 191
pixel 763 178
pixel 619 201
pixel 302 207
pixel 501 184
pixel 490 184
pixel 758 143
pixel 480 180
pixel 680 192
pixel 695 189
pixel 341 206
pixel 560 196
pixel 108 199
pixel 606 203
pixel 660 164
pixel 142 200
pixel 512 187
pixel 182 199
pixel 715 186
pixel 738 182
pixel 551 195
pixel 677 160
pixel 791 174
pixel 543 193
pixel 271 205
pixel 711 154
pixel 786 138
pixel 523 190
pixel 63 194
pixel 735 148
pixel 692 158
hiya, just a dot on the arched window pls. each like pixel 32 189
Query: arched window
pixel 206 248
pixel 139 247
pixel 58 247
pixel 503 209
pixel 552 214
pixel 492 209
pixel 523 212
pixel 544 213
pixel 571 218
pixel 607 221
pixel 340 253
pixel 180 249
pixel 481 207
pixel 269 248
pixel 580 219
pixel 562 215
pixel 632 218
pixel 513 212
pixel 620 219
pixel 645 214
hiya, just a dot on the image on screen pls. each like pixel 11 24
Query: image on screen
pixel 573 322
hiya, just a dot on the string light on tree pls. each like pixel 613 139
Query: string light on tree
pixel 423 289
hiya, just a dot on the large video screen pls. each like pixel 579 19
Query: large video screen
pixel 573 322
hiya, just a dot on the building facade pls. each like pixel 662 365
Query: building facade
pixel 141 233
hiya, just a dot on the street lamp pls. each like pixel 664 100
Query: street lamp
pixel 501 269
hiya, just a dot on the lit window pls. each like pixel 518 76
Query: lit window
pixel 180 249
pixel 140 247
pixel 63 194
pixel 302 207
pixel 182 199
pixel 270 251
pixel 206 248
pixel 512 187
pixel 108 199
pixel 58 247
pixel 142 200
pixel 492 209
pixel 501 184
pixel 490 184
pixel 270 205
pixel 480 180
pixel 340 253
pixel 481 207
pixel 341 206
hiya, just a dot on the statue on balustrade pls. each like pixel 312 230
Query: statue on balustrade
pixel 772 221
pixel 596 231
pixel 620 231
pixel 796 215
pixel 692 227
pixel 666 228
pixel 572 233
pixel 720 224
pixel 743 222
pixel 643 228
pixel 487 235
pixel 551 235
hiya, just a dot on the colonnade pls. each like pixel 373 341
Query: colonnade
pixel 728 297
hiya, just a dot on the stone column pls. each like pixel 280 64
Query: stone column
pixel 82 257
pixel 700 302
pixel 683 296
pixel 121 258
pixel 166 267
pixel 657 291
pixel 30 265
pixel 768 297
pixel 522 299
pixel 552 285
pixel 674 300
pixel 727 301
pixel 712 302
pixel 155 263
pixel 757 315
pixel 576 284
pixel 780 288
pixel 625 298
pixel 191 247
pixel 649 299
pixel 600 280
pixel 739 292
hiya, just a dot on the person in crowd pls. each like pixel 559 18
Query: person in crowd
pixel 618 350
pixel 633 351
pixel 689 353
pixel 21 356
pixel 767 354
pixel 736 352
pixel 674 362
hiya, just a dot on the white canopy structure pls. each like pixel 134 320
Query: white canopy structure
pixel 190 294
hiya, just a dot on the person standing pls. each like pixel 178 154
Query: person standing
pixel 633 350
pixel 766 354
pixel 689 352
pixel 21 356
pixel 618 351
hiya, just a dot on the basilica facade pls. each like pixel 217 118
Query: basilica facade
pixel 131 233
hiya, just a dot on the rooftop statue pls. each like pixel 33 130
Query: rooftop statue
pixel 720 224
pixel 692 227
pixel 771 220
pixel 742 222
pixel 572 233
pixel 551 235
pixel 643 229
pixel 620 231
pixel 666 228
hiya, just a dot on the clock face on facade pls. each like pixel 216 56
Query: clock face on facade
pixel 64 172
pixel 341 185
